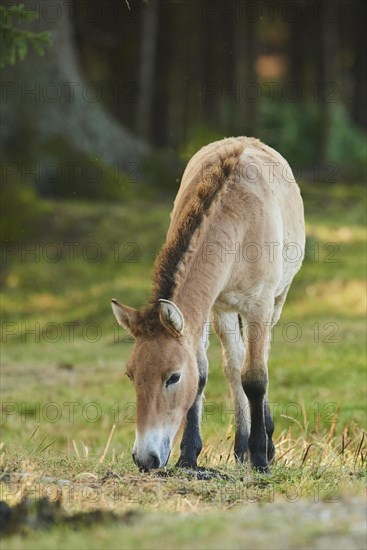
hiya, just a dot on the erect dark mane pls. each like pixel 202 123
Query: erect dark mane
pixel 166 265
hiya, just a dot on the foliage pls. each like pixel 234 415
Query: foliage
pixel 347 145
pixel 14 41
pixel 21 211
pixel 69 172
pixel 199 135
pixel 290 129
pixel 162 169
pixel 66 173
pixel 266 77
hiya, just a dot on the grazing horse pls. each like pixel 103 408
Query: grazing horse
pixel 235 242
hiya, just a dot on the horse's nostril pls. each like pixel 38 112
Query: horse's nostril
pixel 155 462
pixel 152 461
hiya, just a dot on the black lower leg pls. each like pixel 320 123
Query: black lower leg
pixel 241 437
pixel 255 391
pixel 191 443
pixel 269 426
pixel 241 440
pixel 240 447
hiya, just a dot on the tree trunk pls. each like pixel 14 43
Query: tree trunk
pixel 147 66
pixel 159 118
pixel 359 111
pixel 47 97
pixel 326 47
pixel 246 46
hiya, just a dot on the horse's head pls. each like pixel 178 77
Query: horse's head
pixel 164 372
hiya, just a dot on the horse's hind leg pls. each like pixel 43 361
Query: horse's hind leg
pixel 269 427
pixel 255 386
pixel 227 327
pixel 269 424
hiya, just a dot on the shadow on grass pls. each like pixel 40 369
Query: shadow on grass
pixel 30 514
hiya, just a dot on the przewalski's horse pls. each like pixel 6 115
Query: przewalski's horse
pixel 235 242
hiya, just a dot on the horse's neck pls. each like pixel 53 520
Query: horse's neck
pixel 200 278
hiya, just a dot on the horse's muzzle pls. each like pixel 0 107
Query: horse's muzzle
pixel 151 461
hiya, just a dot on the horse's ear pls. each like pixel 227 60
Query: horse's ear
pixel 171 317
pixel 125 316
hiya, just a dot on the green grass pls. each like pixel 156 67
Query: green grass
pixel 63 390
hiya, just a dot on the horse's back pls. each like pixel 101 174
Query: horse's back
pixel 199 165
pixel 262 173
pixel 263 209
pixel 268 176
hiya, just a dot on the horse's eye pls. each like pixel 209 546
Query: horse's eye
pixel 173 379
pixel 128 375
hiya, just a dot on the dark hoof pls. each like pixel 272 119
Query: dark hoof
pixel 261 469
pixel 185 463
pixel 259 464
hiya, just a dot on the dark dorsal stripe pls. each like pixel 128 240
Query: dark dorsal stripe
pixel 209 184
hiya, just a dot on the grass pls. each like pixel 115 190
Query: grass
pixel 68 411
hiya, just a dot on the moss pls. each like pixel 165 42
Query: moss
pixel 22 212
pixel 67 172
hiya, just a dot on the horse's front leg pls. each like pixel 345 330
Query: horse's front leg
pixel 191 443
